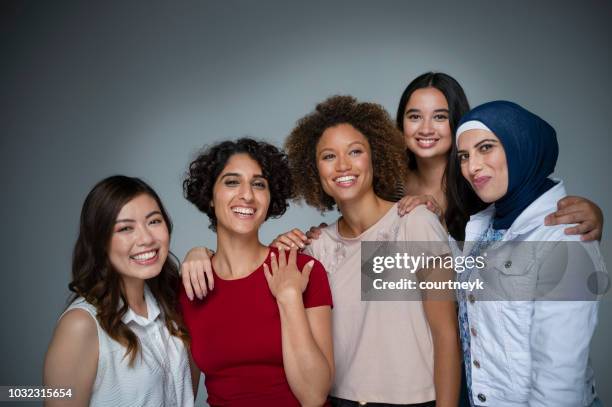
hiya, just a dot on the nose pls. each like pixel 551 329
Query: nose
pixel 474 164
pixel 246 192
pixel 426 129
pixel 145 237
pixel 343 163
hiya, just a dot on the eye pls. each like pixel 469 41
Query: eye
pixel 355 152
pixel 440 117
pixel 156 221
pixel 463 157
pixel 485 147
pixel 413 116
pixel 123 229
pixel 328 156
pixel 230 182
pixel 259 185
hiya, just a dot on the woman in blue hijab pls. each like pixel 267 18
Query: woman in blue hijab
pixel 520 351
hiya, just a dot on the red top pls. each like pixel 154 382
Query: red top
pixel 236 337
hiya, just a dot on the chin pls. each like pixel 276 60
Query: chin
pixel 246 229
pixel 489 198
pixel 148 274
pixel 427 153
pixel 345 196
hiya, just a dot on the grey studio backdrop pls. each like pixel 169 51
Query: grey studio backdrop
pixel 91 89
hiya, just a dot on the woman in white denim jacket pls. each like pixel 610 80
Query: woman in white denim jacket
pixel 521 347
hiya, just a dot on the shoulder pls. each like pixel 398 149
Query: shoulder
pixel 419 215
pixel 328 236
pixel 75 339
pixel 422 224
pixel 77 324
pixel 554 233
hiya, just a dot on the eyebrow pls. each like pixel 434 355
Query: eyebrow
pixel 349 145
pixel 435 111
pixel 356 142
pixel 152 213
pixel 484 141
pixel 235 174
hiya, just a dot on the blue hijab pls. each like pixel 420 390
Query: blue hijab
pixel 531 148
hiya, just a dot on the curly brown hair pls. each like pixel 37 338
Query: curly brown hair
pixel 371 120
pixel 205 169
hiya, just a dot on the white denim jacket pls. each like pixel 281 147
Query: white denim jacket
pixel 529 353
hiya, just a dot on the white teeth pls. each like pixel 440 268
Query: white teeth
pixel 243 211
pixel 346 178
pixel 145 256
pixel 427 142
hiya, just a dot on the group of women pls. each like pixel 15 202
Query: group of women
pixel 262 329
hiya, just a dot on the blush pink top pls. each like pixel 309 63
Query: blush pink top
pixel 383 349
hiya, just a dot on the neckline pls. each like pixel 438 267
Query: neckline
pixel 245 277
pixel 360 236
pixel 153 310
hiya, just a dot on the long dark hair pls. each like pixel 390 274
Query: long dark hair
pixel 93 276
pixel 460 198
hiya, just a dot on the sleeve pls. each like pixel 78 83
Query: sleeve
pixel 560 338
pixel 318 292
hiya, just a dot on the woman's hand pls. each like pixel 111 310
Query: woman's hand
pixel 409 202
pixel 196 272
pixel 285 280
pixel 315 231
pixel 297 238
pixel 575 209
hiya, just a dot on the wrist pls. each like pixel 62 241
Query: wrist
pixel 289 296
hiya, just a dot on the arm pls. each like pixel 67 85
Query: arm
pixel 560 337
pixel 439 306
pixel 442 318
pixel 72 358
pixel 306 334
pixel 196 265
pixel 575 209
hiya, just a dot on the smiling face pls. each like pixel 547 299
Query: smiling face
pixel 344 162
pixel 139 243
pixel 426 123
pixel 241 196
pixel 483 164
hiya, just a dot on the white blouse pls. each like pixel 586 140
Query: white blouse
pixel 160 375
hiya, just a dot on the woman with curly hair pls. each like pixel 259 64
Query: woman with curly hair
pixel 349 155
pixel 121 341
pixel 262 337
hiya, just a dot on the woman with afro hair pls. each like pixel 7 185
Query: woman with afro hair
pixel 349 155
